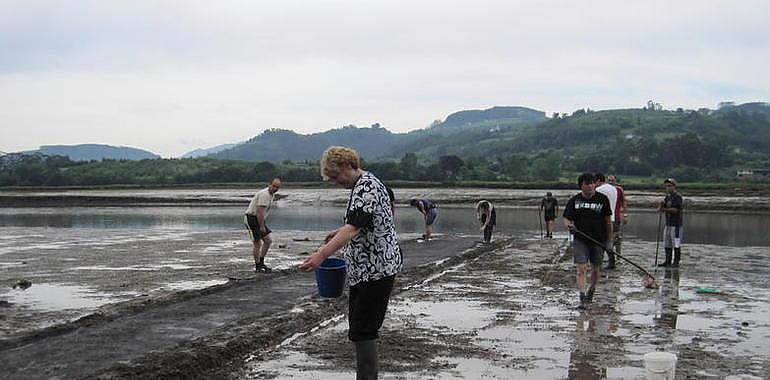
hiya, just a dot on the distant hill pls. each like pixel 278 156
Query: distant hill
pixel 377 143
pixel 498 144
pixel 207 151
pixel 87 152
pixel 280 144
pixel 469 117
pixel 760 108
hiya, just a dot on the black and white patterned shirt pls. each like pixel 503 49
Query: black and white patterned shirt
pixel 374 252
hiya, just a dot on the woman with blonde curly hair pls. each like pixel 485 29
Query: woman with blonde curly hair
pixel 370 247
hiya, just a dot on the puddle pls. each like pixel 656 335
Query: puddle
pixel 57 297
pixel 140 268
pixel 189 285
pixel 473 315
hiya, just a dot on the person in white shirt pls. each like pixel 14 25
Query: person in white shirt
pixel 255 217
pixel 612 193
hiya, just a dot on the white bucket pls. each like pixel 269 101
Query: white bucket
pixel 660 365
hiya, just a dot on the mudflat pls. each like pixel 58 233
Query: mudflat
pixel 460 310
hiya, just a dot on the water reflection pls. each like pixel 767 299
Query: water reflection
pixel 57 297
pixel 669 294
pixel 581 360
pixel 702 227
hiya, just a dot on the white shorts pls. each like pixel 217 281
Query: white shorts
pixel 672 237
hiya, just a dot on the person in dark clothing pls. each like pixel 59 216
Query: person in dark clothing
pixel 487 216
pixel 550 206
pixel 428 209
pixel 672 206
pixel 588 212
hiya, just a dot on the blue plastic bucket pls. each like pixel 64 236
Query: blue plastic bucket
pixel 330 277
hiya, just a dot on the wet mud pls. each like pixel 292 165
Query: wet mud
pixel 511 313
pixel 137 304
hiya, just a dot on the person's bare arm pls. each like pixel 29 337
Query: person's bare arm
pixel 261 218
pixel 342 235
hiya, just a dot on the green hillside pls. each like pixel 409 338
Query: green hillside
pixel 280 145
pixel 693 146
pixel 376 143
pixel 87 152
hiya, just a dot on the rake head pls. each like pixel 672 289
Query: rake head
pixel 650 283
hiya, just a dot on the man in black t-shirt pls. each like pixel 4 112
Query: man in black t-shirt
pixel 589 213
pixel 550 207
pixel 672 234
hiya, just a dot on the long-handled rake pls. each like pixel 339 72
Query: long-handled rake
pixel 649 282
pixel 540 219
pixel 657 240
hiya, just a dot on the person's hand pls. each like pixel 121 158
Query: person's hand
pixel 312 262
pixel 571 228
pixel 330 236
pixel 263 230
pixel 625 218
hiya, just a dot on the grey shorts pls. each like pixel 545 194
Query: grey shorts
pixel 430 216
pixel 585 252
pixel 672 237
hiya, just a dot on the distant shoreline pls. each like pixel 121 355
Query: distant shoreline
pixel 742 188
pixel 722 201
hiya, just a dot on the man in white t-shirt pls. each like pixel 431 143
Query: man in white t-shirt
pixel 612 193
pixel 255 217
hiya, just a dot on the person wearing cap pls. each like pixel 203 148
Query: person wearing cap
pixel 550 206
pixel 487 216
pixel 672 206
pixel 587 216
pixel 370 247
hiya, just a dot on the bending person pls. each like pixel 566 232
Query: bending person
pixel 255 218
pixel 487 216
pixel 428 209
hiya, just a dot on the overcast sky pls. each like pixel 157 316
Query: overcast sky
pixel 172 76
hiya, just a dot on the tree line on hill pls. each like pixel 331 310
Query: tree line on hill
pixel 690 145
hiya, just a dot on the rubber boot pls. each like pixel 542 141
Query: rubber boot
pixel 366 359
pixel 668 258
pixel 611 261
pixel 677 256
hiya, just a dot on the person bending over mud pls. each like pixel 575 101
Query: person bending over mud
pixel 428 209
pixel 255 220
pixel 487 216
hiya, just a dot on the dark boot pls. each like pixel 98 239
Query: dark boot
pixel 668 258
pixel 610 261
pixel 677 256
pixel 366 359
